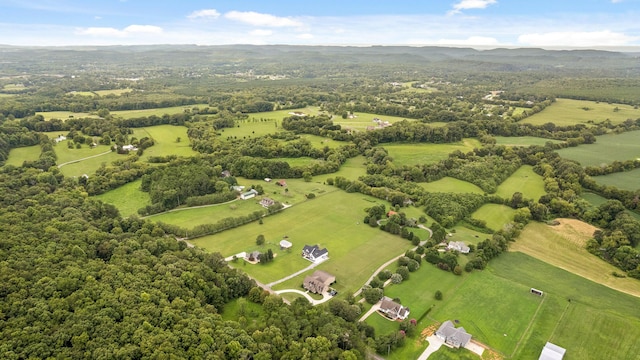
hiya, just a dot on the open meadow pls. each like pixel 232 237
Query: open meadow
pixel 563 246
pixel 128 198
pixel 352 169
pixel 451 185
pixel 626 180
pixel 339 229
pixel 361 121
pixel 115 92
pixel 420 153
pixel 165 141
pixel 523 140
pixel 607 148
pixel 571 112
pixel 495 215
pixel 17 156
pixel 86 160
pixel 523 180
pixel 64 115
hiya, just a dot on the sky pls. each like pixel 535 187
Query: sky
pixel 469 23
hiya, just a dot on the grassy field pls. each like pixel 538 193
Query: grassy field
pixel 164 137
pixel 362 120
pixel 627 180
pixel 19 155
pixel 352 169
pixel 127 198
pixel 116 92
pixel 495 215
pixel 524 180
pixel 570 112
pixel 63 115
pixel 564 246
pixel 89 166
pixel 86 160
pixel 126 114
pixel 452 185
pixel 610 147
pixel 597 323
pixel 81 93
pixel 468 236
pixel 523 140
pixel 411 154
pixel 342 213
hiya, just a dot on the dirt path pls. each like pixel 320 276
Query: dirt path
pixel 86 158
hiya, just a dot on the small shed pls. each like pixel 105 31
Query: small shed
pixel 552 352
pixel 285 244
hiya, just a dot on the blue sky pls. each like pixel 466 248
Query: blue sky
pixel 475 23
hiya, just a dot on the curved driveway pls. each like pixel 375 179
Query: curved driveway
pixel 325 296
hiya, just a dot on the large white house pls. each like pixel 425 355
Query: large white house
pixel 314 253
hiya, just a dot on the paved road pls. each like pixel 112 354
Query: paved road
pixel 434 344
pixel 88 157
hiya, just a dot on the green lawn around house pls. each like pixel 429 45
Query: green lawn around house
pixel 165 141
pixel 523 180
pixel 571 112
pixel 420 153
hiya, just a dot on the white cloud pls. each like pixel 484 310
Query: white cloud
pixel 305 36
pixel 471 4
pixel 577 38
pixel 258 19
pixel 204 14
pixel 113 32
pixel 470 41
pixel 261 32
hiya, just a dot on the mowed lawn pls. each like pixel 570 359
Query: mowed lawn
pixel 571 112
pixel 17 156
pixel 588 319
pixel 452 185
pixel 627 180
pixel 564 246
pixel 352 169
pixel 523 180
pixel 86 160
pixel 127 114
pixel 362 120
pixel 128 198
pixel 165 141
pixel 606 149
pixel 188 218
pixel 523 140
pixel 495 215
pixel 333 221
pixel 64 115
pixel 420 153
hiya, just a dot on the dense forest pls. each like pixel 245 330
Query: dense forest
pixel 81 281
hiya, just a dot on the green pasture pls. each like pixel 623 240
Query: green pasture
pixel 607 148
pixel 2 95
pixel 128 198
pixel 66 154
pixel 523 180
pixel 89 166
pixel 571 112
pixel 81 93
pixel 627 180
pixel 597 322
pixel 420 153
pixel 495 215
pixel 333 221
pixel 466 235
pixel 63 115
pixel 352 169
pixel 320 142
pixel 361 121
pixel 164 138
pixel 451 185
pixel 523 140
pixel 189 218
pixel 13 87
pixel 126 114
pixel 86 160
pixel 17 156
pixel 241 307
pixel 116 92
pixel 301 161
pixel 447 353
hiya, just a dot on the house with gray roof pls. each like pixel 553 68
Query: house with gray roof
pixel 458 246
pixel 314 253
pixel 392 309
pixel 455 337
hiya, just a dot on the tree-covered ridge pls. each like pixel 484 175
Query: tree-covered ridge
pixel 78 281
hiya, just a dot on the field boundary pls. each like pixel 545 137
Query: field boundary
pixel 526 331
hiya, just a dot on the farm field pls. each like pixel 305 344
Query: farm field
pixel 609 147
pixel 468 236
pixel 86 160
pixel 495 215
pixel 17 156
pixel 571 112
pixel 627 180
pixel 598 322
pixel 126 114
pixel 597 200
pixel 63 115
pixel 116 92
pixel 411 154
pixel 301 223
pixel 451 185
pixel 128 198
pixel 523 180
pixel 89 166
pixel 164 137
pixel 563 246
pixel 523 140
pixel 352 169
pixel 362 120
pixel 81 93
